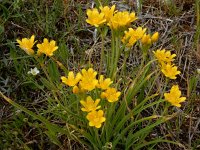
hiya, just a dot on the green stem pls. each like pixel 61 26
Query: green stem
pixel 112 53
pixel 97 137
pixel 111 109
pixel 48 77
pixel 117 54
pixel 161 95
pixel 124 62
pixel 102 53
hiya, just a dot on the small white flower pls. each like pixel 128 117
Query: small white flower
pixel 198 71
pixel 34 71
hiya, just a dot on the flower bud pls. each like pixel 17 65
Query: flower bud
pixel 75 90
pixel 155 37
pixel 146 39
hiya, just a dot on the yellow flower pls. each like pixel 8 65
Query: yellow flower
pixel 71 80
pixel 47 47
pixel 75 90
pixel 111 95
pixel 146 39
pixel 174 96
pixel 121 19
pixel 27 44
pixel 170 71
pixel 95 18
pixel 88 80
pixel 104 84
pixel 155 37
pixel 164 56
pixel 96 118
pixel 132 36
pixel 78 90
pixel 108 12
pixel 132 17
pixel 90 104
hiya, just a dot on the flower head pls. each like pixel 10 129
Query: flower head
pixel 108 12
pixel 154 37
pixel 170 71
pixel 27 44
pixel 47 47
pixel 88 80
pixel 164 56
pixel 148 39
pixel 96 118
pixel 75 90
pixel 174 96
pixel 34 71
pixel 104 84
pixel 90 104
pixel 111 94
pixel 132 36
pixel 121 19
pixel 95 18
pixel 71 80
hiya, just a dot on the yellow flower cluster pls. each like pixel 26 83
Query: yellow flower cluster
pixel 132 36
pixel 165 59
pixel 95 117
pixel 174 96
pixel 84 82
pixel 114 19
pixel 147 39
pixel 46 47
pixel 118 20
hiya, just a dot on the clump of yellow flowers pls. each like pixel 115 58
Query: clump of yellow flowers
pixel 165 59
pixel 114 19
pixel 83 84
pixel 147 39
pixel 132 36
pixel 119 21
pixel 46 47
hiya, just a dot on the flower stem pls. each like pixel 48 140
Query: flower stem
pixel 102 53
pixel 111 62
pixel 116 58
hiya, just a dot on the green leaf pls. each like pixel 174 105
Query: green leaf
pixel 53 72
pixel 5 11
pixel 1 29
pixel 48 84
pixel 53 137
